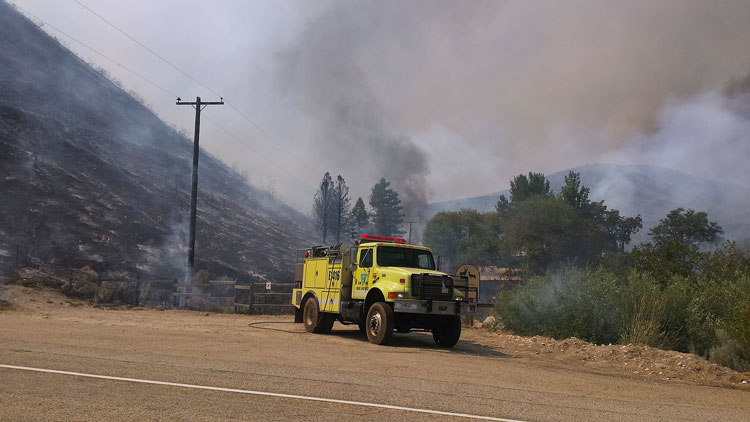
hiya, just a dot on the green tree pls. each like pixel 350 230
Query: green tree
pixel 597 229
pixel 686 226
pixel 545 230
pixel 523 187
pixel 341 203
pixel 464 237
pixel 573 193
pixel 322 211
pixel 359 216
pixel 387 210
pixel 540 232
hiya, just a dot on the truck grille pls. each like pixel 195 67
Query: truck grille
pixel 428 286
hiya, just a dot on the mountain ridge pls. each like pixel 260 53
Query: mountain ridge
pixel 90 176
pixel 641 189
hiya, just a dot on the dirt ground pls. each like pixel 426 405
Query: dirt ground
pixel 486 374
pixel 636 360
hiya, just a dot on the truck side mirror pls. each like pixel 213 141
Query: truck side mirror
pixel 353 259
pixel 438 262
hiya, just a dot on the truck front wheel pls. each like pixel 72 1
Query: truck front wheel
pixel 379 323
pixel 446 332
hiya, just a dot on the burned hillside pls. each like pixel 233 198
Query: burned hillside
pixel 90 176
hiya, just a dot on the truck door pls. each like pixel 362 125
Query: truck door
pixel 361 278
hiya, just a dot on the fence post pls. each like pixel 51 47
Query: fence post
pixel 250 300
pixel 137 291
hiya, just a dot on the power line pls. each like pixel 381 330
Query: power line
pixel 131 71
pixel 163 89
pixel 148 49
pixel 243 115
pixel 270 137
pixel 240 140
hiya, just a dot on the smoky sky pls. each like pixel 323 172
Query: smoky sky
pixel 446 99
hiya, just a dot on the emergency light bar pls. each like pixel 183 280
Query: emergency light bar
pixel 383 238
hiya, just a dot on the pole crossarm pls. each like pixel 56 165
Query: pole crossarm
pixel 192 103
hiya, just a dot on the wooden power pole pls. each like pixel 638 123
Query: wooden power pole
pixel 198 105
pixel 410 223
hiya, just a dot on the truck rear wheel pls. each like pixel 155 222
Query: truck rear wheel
pixel 379 323
pixel 316 321
pixel 447 331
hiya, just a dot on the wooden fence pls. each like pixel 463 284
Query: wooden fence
pixel 264 298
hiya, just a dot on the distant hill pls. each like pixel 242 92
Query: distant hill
pixel 649 191
pixel 89 176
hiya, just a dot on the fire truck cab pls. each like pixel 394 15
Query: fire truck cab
pixel 381 284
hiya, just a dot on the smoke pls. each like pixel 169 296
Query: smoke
pixel 511 85
pixel 353 133
pixel 446 99
pixel 704 134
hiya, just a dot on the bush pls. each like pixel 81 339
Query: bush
pixel 116 292
pixel 571 303
pixel 201 277
pixel 80 288
pixel 729 352
pixel 701 304
pixel 643 307
pixel 82 283
pixel 5 305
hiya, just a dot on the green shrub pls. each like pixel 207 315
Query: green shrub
pixel 729 352
pixel 701 304
pixel 643 307
pixel 572 302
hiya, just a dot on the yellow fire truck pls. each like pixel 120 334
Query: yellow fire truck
pixel 382 284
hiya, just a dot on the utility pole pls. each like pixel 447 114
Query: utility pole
pixel 198 105
pixel 410 223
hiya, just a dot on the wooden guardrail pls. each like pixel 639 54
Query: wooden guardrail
pixel 264 298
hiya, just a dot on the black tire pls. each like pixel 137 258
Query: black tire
pixel 362 328
pixel 310 315
pixel 315 321
pixel 379 323
pixel 447 331
pixel 326 323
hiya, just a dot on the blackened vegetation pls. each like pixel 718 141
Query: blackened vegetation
pixel 90 176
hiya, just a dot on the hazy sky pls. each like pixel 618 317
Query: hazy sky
pixel 446 99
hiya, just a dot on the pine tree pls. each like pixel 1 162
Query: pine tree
pixel 359 216
pixel 387 210
pixel 322 211
pixel 341 203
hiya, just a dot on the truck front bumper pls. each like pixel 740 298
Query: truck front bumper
pixel 436 307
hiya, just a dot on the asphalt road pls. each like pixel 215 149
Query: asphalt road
pixel 278 357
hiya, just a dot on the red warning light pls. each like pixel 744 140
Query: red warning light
pixel 383 238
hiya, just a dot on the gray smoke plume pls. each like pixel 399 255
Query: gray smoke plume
pixel 460 96
pixel 498 88
pixel 352 131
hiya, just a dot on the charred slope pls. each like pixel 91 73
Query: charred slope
pixel 88 175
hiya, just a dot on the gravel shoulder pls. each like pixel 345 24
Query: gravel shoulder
pixel 487 373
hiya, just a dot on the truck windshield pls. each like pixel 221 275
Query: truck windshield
pixel 391 256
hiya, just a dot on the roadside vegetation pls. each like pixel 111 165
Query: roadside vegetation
pixel 684 291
